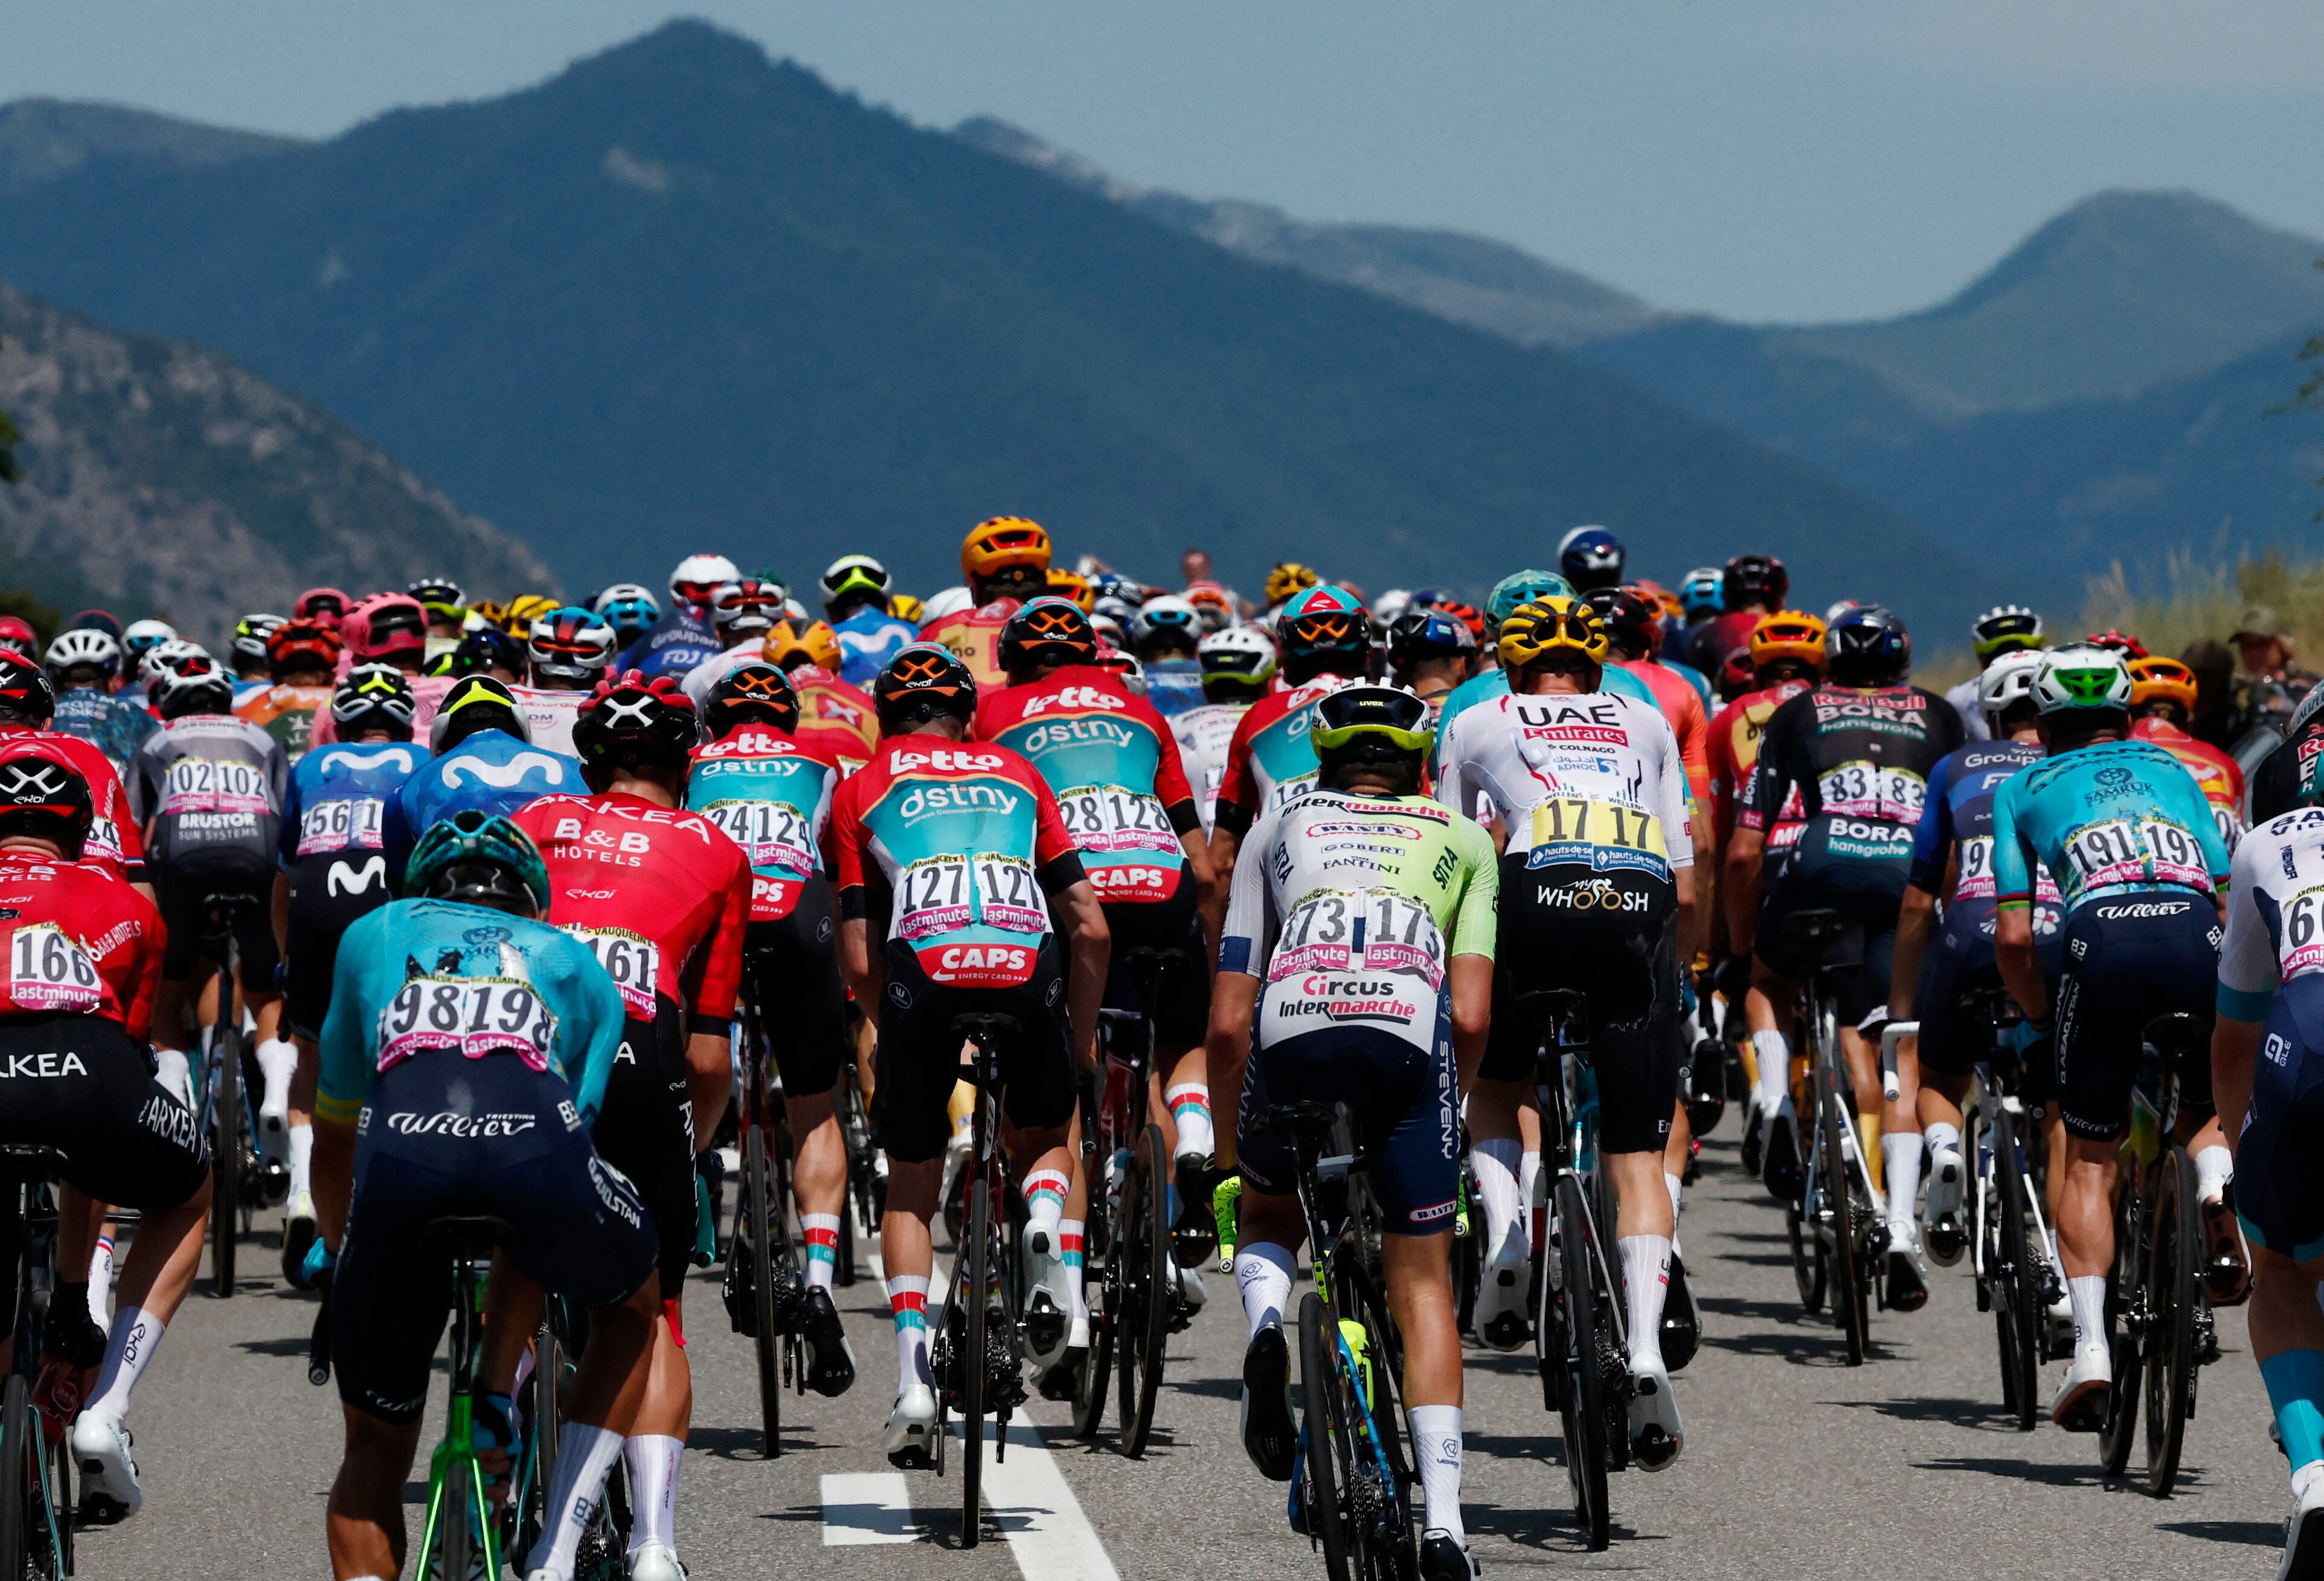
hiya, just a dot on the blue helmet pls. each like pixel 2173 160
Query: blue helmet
pixel 1704 592
pixel 1591 557
pixel 480 858
pixel 1521 587
pixel 1422 634
pixel 629 610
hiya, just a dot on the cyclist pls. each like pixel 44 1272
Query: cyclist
pixel 1429 653
pixel 2161 702
pixel 1598 893
pixel 487 650
pixel 489 1115
pixel 84 663
pixel 483 758
pixel 2004 628
pixel 1363 842
pixel 27 717
pixel 1004 561
pixel 2281 780
pixel 855 600
pixel 1167 635
pixel 566 654
pixel 302 659
pixel 629 610
pixel 342 853
pixel 1285 579
pixel 1238 665
pixel 389 629
pixel 1591 558
pixel 685 636
pixel 1327 639
pixel 75 1013
pixel 1520 587
pixel 772 793
pixel 446 609
pixel 1700 597
pixel 661 896
pixel 1751 586
pixel 2138 862
pixel 247 654
pixel 143 637
pixel 326 606
pixel 745 612
pixel 960 857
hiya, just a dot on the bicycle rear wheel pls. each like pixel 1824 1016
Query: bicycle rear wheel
pixel 20 1512
pixel 1583 1409
pixel 226 1132
pixel 758 1213
pixel 1144 1253
pixel 455 1533
pixel 1326 1434
pixel 1849 1294
pixel 1808 1268
pixel 1102 1281
pixel 2017 1306
pixel 975 1367
pixel 1388 1547
pixel 2127 1303
pixel 2176 1247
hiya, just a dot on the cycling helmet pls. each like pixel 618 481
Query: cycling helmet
pixel 1165 619
pixel 521 611
pixel 1047 631
pixel 952 601
pixel 1120 610
pixel 631 722
pixel 104 620
pixel 46 797
pixel 373 697
pixel 1591 557
pixel 1213 602
pixel 250 635
pixel 921 683
pixel 479 858
pixel 1521 587
pixel 1753 579
pixel 1867 647
pixel 2007 683
pixel 85 647
pixel 1387 607
pixel 197 686
pixel 1288 577
pixel 1426 598
pixel 1788 634
pixel 1704 592
pixel 384 626
pixel 441 596
pixel 488 647
pixel 1239 653
pixel 164 660
pixel 569 647
pixel 757 692
pixel 1533 631
pixel 323 605
pixel 143 636
pixel 698 577
pixel 2157 679
pixel 854 577
pixel 1372 713
pixel 2000 629
pixel 2081 676
pixel 1736 678
pixel 746 605
pixel 301 644
pixel 629 610
pixel 1073 586
pixel 1123 663
pixel 475 703
pixel 2115 641
pixel 792 643
pixel 1426 634
pixel 1633 619
pixel 17 635
pixel 25 693
pixel 1319 625
pixel 1114 585
pixel 1002 543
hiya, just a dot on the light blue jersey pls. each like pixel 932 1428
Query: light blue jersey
pixel 2117 818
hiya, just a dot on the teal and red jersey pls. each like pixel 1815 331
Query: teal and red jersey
pixel 772 793
pixel 1113 763
pixel 960 843
pixel 1271 761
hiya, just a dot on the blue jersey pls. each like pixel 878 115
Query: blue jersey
pixel 2117 818
pixel 677 642
pixel 435 979
pixel 868 639
pixel 346 798
pixel 1174 686
pixel 491 770
pixel 116 723
pixel 1959 817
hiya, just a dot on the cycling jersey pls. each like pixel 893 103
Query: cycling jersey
pixel 1681 705
pixel 1593 778
pixel 1969 701
pixel 287 713
pixel 868 639
pixel 428 695
pixel 2280 783
pixel 1855 755
pixel 1709 645
pixel 2218 775
pixel 344 845
pixel 973 636
pixel 698 680
pixel 1735 736
pixel 772 796
pixel 1113 767
pixel 1696 679
pixel 2113 819
pixel 78 939
pixel 209 787
pixel 1488 685
pixel 835 718
pixel 1174 686
pixel 2272 970
pixel 490 771
pixel 116 724
pixel 673 645
pixel 548 714
pixel 1203 736
pixel 1270 760
pixel 114 841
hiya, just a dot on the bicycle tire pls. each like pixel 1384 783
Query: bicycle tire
pixel 2017 1306
pixel 1326 1430
pixel 18 1509
pixel 1355 1294
pixel 1849 1280
pixel 2126 1298
pixel 972 1366
pixel 1808 1270
pixel 59 1505
pixel 756 1209
pixel 456 1538
pixel 1587 1452
pixel 2174 1250
pixel 1145 1328
pixel 226 1127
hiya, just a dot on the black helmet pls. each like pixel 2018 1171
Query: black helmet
pixel 631 722
pixel 45 797
pixel 1047 631
pixel 923 682
pixel 488 647
pixel 1754 579
pixel 1866 646
pixel 373 697
pixel 754 693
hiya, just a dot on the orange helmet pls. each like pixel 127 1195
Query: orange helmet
pixel 793 643
pixel 2156 679
pixel 1792 634
pixel 1004 543
pixel 1074 586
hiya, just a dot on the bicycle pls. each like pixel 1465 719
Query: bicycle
pixel 36 1529
pixel 1581 1338
pixel 2158 1313
pixel 236 1183
pixel 1354 1484
pixel 460 1534
pixel 976 1355
pixel 541 1402
pixel 759 1253
pixel 1839 1228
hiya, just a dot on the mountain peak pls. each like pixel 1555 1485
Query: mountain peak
pixel 685 48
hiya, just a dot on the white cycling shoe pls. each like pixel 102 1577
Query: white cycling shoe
pixel 1943 1233
pixel 2303 1537
pixel 108 1477
pixel 1500 1315
pixel 2081 1401
pixel 1656 1435
pixel 908 1440
pixel 655 1561
pixel 1190 1288
pixel 1048 1303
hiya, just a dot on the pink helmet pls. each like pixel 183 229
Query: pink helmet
pixel 384 625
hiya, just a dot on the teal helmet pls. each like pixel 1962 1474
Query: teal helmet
pixel 1521 587
pixel 480 858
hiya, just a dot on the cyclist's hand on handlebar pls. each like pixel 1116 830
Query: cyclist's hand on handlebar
pixel 318 1267
pixel 1732 978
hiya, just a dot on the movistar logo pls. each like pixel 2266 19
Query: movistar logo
pixel 504 776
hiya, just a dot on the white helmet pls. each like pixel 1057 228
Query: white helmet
pixel 2081 676
pixel 950 602
pixel 698 576
pixel 1167 613
pixel 1239 653
pixel 164 659
pixel 84 645
pixel 2007 682
pixel 1389 606
pixel 142 635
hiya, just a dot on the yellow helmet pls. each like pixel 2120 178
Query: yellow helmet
pixel 1003 543
pixel 1556 624
pixel 1072 584
pixel 905 607
pixel 1288 578
pixel 1794 634
pixel 793 642
pixel 2157 679
pixel 522 611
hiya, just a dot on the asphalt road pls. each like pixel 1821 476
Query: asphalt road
pixel 1793 1458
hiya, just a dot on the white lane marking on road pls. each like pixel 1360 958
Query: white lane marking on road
pixel 864 1507
pixel 1048 1534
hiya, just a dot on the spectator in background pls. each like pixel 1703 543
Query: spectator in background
pixel 2215 692
pixel 2263 644
pixel 1195 565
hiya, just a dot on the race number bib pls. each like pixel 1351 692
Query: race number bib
pixel 2141 851
pixel 1977 880
pixel 1372 931
pixel 1009 894
pixel 205 784
pixel 1600 835
pixel 631 960
pixel 2300 945
pixel 1107 819
pixel 475 1015
pixel 104 840
pixel 772 834
pixel 355 823
pixel 1285 791
pixel 1871 790
pixel 934 896
pixel 48 971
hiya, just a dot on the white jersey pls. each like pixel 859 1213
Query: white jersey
pixel 549 715
pixel 1592 777
pixel 1971 709
pixel 1204 734
pixel 2276 912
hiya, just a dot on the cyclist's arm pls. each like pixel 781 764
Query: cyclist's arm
pixel 1757 811
pixel 710 1021
pixel 2248 984
pixel 1177 794
pixel 1090 946
pixel 344 1081
pixel 137 1015
pixel 1234 991
pixel 604 1018
pixel 2013 926
pixel 1471 944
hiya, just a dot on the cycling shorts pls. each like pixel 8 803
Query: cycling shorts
pixel 791 972
pixel 1406 1107
pixel 2279 1180
pixel 2130 959
pixel 182 890
pixel 1830 869
pixel 1959 964
pixel 920 1054
pixel 1613 935
pixel 442 1137
pixel 327 895
pixel 645 1129
pixel 1183 1012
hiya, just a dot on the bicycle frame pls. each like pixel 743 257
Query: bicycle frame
pixel 458 1451
pixel 1569 1132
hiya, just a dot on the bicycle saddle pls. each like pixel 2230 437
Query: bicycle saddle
pixel 1829 939
pixel 25 1161
pixel 223 907
pixel 1546 1006
pixel 1304 1120
pixel 986 1026
pixel 471 1236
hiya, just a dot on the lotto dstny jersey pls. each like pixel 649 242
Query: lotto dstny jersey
pixel 1735 736
pixel 868 639
pixel 1854 754
pixel 1204 734
pixel 208 783
pixel 1269 759
pixel 1113 766
pixel 1351 906
pixel 490 771
pixel 660 897
pixel 435 979
pixel 974 637
pixel 76 939
pixel 2275 912
pixel 1960 819
pixel 1488 685
pixel 772 796
pixel 1592 777
pixel 287 713
pixel 116 723
pixel 2117 818
pixel 113 842
pixel 962 844
pixel 346 800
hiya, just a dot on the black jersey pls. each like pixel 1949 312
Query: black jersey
pixel 1855 753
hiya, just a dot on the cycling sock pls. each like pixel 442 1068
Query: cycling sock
pixel 1496 1162
pixel 820 1231
pixel 1900 1152
pixel 585 1453
pixel 1529 1182
pixel 100 1281
pixel 1190 1107
pixel 2295 1388
pixel 1775 1057
pixel 1943 1138
pixel 1263 1274
pixel 2087 1294
pixel 1436 1445
pixel 2215 1166
pixel 278 1062
pixel 128 1350
pixel 1676 1186
pixel 1645 1275
pixel 1069 1238
pixel 652 1459
pixel 907 1301
pixel 303 1158
pixel 1045 1202
pixel 175 1072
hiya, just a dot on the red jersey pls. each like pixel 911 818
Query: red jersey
pixel 974 637
pixel 1709 643
pixel 1270 760
pixel 837 720
pixel 78 939
pixel 1735 748
pixel 2221 778
pixel 114 842
pixel 660 897
pixel 1681 705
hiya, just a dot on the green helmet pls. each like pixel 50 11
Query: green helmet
pixel 480 858
pixel 2081 678
pixel 1521 587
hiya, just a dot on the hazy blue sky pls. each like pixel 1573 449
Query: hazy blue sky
pixel 1766 159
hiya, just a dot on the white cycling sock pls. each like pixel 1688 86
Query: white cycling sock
pixel 1943 1138
pixel 820 1231
pixel 584 1455
pixel 303 1158
pixel 1775 1057
pixel 129 1349
pixel 653 1459
pixel 1676 1186
pixel 907 1303
pixel 278 1062
pixel 1496 1162
pixel 1436 1447
pixel 1528 1183
pixel 1045 1205
pixel 175 1072
pixel 2215 1166
pixel 1645 1275
pixel 2087 1294
pixel 1263 1274
pixel 100 1282
pixel 1900 1157
pixel 1190 1107
pixel 1070 1232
